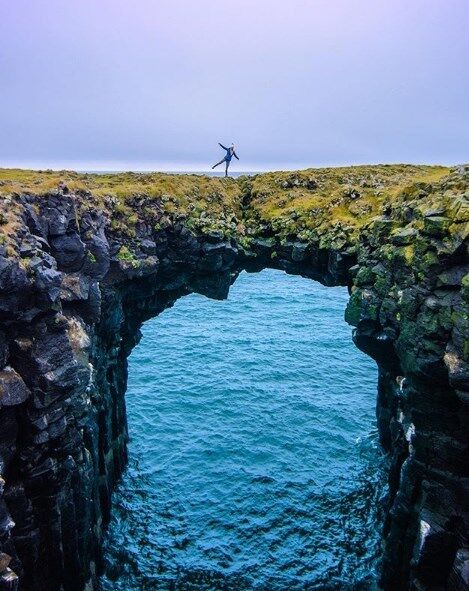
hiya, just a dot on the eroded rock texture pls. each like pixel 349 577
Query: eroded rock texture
pixel 74 292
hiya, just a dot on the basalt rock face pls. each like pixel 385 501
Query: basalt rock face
pixel 75 289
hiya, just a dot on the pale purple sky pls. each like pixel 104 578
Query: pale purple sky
pixel 155 84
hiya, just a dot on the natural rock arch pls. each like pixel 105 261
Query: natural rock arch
pixel 70 317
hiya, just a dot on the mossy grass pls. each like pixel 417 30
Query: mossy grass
pixel 326 205
pixel 346 198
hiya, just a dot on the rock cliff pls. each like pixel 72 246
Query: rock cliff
pixel 86 259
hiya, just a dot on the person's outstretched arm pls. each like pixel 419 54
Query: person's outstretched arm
pixel 235 155
pixel 221 145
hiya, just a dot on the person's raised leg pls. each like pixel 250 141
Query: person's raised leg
pixel 218 164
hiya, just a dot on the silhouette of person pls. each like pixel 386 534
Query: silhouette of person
pixel 230 152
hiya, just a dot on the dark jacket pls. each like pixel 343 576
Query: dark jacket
pixel 229 153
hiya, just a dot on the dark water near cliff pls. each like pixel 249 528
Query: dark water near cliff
pixel 254 461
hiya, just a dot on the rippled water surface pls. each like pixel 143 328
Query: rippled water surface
pixel 254 462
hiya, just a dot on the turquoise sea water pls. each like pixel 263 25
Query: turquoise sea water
pixel 254 462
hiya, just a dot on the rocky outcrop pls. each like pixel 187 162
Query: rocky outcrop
pixel 76 283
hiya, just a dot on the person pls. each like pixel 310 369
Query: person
pixel 230 152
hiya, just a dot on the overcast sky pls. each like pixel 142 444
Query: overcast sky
pixel 155 84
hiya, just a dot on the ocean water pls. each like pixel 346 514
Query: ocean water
pixel 254 460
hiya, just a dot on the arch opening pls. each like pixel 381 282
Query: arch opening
pixel 254 455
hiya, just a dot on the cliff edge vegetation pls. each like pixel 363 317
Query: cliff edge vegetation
pixel 328 203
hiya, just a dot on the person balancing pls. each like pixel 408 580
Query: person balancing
pixel 230 152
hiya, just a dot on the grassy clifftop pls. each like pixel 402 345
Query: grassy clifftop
pixel 127 196
pixel 315 201
pixel 331 205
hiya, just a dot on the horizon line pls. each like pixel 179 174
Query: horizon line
pixel 101 166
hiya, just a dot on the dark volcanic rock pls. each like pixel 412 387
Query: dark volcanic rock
pixel 13 390
pixel 69 252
